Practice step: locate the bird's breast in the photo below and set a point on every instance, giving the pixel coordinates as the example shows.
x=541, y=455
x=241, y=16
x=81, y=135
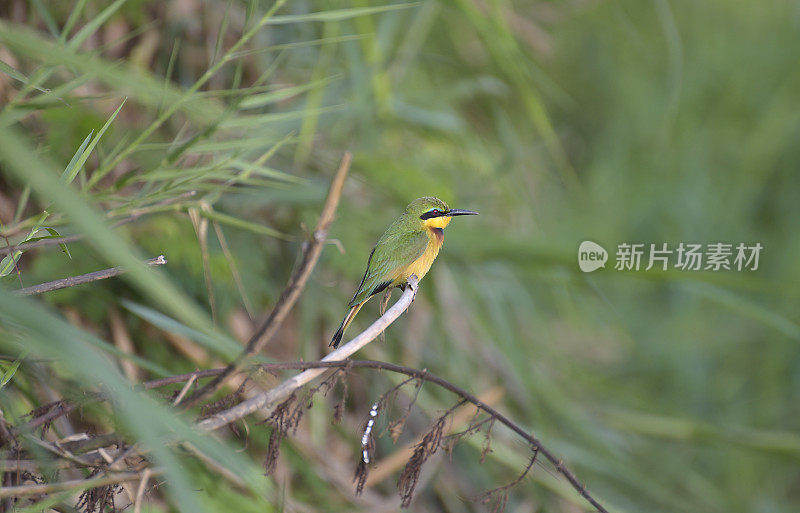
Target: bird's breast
x=422, y=265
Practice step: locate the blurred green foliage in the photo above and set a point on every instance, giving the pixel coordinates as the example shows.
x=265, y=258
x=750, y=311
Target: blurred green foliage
x=638, y=122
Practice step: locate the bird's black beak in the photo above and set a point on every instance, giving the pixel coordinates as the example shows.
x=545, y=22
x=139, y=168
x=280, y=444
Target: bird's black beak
x=460, y=212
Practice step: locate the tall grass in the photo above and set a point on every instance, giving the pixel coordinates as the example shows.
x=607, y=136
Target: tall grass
x=617, y=122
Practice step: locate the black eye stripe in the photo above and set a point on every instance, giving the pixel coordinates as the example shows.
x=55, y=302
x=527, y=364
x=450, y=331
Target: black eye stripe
x=431, y=213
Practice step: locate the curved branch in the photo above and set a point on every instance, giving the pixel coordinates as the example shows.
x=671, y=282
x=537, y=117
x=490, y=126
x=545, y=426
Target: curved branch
x=272, y=397
x=269, y=399
x=424, y=375
x=337, y=359
x=310, y=254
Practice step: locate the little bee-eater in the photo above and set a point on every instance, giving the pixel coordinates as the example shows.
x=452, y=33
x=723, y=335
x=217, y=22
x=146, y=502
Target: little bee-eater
x=409, y=246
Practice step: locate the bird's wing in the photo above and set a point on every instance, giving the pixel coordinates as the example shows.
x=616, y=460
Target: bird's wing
x=391, y=254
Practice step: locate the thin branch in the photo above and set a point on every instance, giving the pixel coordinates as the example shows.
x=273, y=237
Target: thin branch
x=83, y=278
x=140, y=492
x=237, y=278
x=59, y=409
x=337, y=359
x=272, y=397
x=431, y=378
x=311, y=251
x=77, y=484
x=184, y=391
x=200, y=225
x=180, y=378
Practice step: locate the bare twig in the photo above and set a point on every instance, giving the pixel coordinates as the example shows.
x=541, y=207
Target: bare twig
x=83, y=278
x=77, y=484
x=310, y=254
x=184, y=391
x=124, y=342
x=237, y=278
x=500, y=494
x=140, y=492
x=337, y=359
x=180, y=378
x=424, y=375
x=59, y=408
x=389, y=464
x=200, y=225
x=271, y=398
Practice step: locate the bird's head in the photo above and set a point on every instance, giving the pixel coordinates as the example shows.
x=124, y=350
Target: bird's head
x=433, y=212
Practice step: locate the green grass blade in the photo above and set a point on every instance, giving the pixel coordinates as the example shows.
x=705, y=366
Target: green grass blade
x=337, y=14
x=155, y=427
x=72, y=20
x=261, y=100
x=243, y=225
x=67, y=176
x=21, y=160
x=169, y=324
x=44, y=12
x=72, y=170
x=94, y=25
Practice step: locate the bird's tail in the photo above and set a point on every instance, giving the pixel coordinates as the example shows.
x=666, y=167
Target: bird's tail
x=337, y=337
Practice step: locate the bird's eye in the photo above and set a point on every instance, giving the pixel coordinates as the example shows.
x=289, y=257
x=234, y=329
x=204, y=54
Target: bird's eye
x=434, y=212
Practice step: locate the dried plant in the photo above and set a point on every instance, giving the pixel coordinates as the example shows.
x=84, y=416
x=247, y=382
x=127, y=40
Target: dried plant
x=395, y=427
x=45, y=409
x=283, y=420
x=499, y=496
x=427, y=447
x=219, y=405
x=99, y=499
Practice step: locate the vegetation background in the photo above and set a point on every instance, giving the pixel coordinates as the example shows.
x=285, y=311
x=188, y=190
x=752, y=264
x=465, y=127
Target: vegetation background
x=613, y=121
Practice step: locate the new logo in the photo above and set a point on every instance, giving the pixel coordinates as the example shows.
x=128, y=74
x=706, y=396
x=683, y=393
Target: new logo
x=591, y=256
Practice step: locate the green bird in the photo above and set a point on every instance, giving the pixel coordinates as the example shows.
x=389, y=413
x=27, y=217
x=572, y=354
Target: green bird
x=409, y=246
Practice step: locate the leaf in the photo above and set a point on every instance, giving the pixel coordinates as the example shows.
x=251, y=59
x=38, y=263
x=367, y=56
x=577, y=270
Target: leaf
x=8, y=263
x=68, y=175
x=75, y=165
x=13, y=73
x=55, y=235
x=9, y=373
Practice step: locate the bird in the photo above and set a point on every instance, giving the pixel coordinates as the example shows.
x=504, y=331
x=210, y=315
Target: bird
x=408, y=246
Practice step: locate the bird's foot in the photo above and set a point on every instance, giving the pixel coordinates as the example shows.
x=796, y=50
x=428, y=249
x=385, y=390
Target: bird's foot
x=387, y=295
x=413, y=282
